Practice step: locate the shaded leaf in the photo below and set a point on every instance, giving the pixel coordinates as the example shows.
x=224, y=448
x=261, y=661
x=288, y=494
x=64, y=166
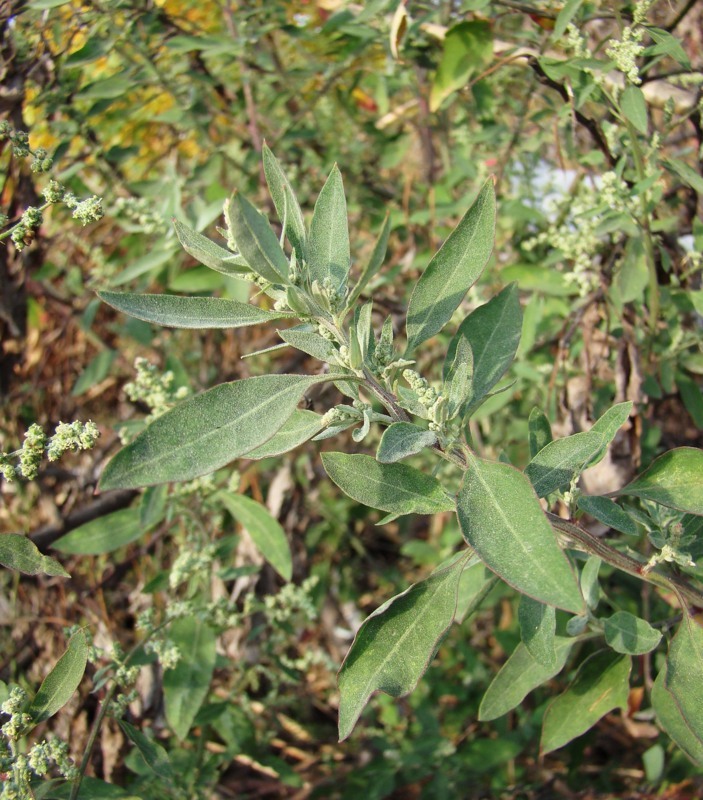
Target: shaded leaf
x=328, y=242
x=104, y=534
x=298, y=428
x=674, y=723
x=19, y=552
x=559, y=462
x=684, y=673
x=467, y=48
x=609, y=513
x=154, y=754
x=403, y=439
x=626, y=633
x=538, y=624
x=63, y=680
x=540, y=431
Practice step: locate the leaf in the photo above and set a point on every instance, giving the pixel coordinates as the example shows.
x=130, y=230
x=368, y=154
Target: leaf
x=520, y=674
x=96, y=371
x=692, y=397
x=396, y=644
x=208, y=431
x=19, y=552
x=673, y=479
x=567, y=13
x=609, y=513
x=152, y=506
x=626, y=633
x=256, y=241
x=298, y=428
x=590, y=588
x=154, y=754
x=63, y=680
x=468, y=47
x=674, y=723
x=285, y=201
x=403, y=439
x=540, y=431
x=265, y=531
x=208, y=253
x=684, y=673
x=686, y=173
x=328, y=243
x=601, y=684
x=104, y=534
x=559, y=462
x=187, y=684
x=501, y=518
x=375, y=262
x=310, y=342
x=493, y=331
x=189, y=312
x=459, y=378
x=538, y=624
x=634, y=108
x=669, y=45
x=91, y=789
x=453, y=270
x=394, y=488
x=608, y=425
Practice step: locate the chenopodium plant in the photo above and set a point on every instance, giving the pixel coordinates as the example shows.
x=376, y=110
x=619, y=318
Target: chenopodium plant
x=553, y=563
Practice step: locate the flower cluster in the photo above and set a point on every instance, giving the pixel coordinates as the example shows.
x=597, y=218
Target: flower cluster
x=153, y=388
x=192, y=561
x=139, y=211
x=625, y=52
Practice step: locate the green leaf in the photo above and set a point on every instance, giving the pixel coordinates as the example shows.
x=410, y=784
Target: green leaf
x=674, y=723
x=669, y=45
x=374, y=264
x=187, y=684
x=540, y=431
x=266, y=532
x=394, y=488
x=91, y=789
x=104, y=534
x=601, y=684
x=501, y=518
x=403, y=439
x=19, y=552
x=285, y=201
x=673, y=479
x=152, y=506
x=609, y=513
x=538, y=624
x=328, y=243
x=634, y=108
x=63, y=680
x=468, y=47
x=692, y=397
x=686, y=173
x=396, y=643
x=493, y=331
x=559, y=462
x=459, y=378
x=96, y=371
x=626, y=633
x=453, y=270
x=520, y=674
x=310, y=342
x=189, y=312
x=364, y=331
x=208, y=253
x=208, y=431
x=567, y=13
x=608, y=425
x=154, y=754
x=684, y=673
x=298, y=428
x=590, y=588
x=256, y=241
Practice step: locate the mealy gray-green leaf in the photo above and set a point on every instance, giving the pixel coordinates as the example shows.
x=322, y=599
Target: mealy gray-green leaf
x=298, y=428
x=256, y=240
x=310, y=342
x=556, y=464
x=538, y=626
x=104, y=534
x=458, y=380
x=395, y=488
x=453, y=270
x=493, y=331
x=19, y=552
x=189, y=312
x=590, y=587
x=364, y=330
x=609, y=513
x=626, y=633
x=396, y=643
x=501, y=518
x=208, y=253
x=602, y=683
x=374, y=263
x=608, y=425
x=186, y=685
x=285, y=201
x=265, y=531
x=154, y=754
x=63, y=680
x=540, y=431
x=674, y=723
x=673, y=479
x=403, y=439
x=684, y=673
x=328, y=241
x=208, y=431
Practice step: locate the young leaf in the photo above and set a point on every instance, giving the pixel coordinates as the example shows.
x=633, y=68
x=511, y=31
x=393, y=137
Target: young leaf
x=540, y=431
x=395, y=488
x=608, y=425
x=104, y=534
x=256, y=241
x=626, y=633
x=396, y=643
x=285, y=201
x=19, y=552
x=300, y=426
x=189, y=312
x=186, y=685
x=266, y=532
x=154, y=754
x=403, y=439
x=375, y=262
x=674, y=723
x=538, y=625
x=684, y=673
x=459, y=378
x=501, y=518
x=208, y=253
x=364, y=331
x=310, y=342
x=673, y=479
x=60, y=684
x=208, y=431
x=453, y=270
x=634, y=108
x=590, y=588
x=609, y=513
x=556, y=464
x=328, y=243
x=601, y=684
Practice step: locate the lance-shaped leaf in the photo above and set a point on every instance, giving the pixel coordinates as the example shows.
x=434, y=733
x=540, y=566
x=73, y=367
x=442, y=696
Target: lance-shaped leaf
x=626, y=633
x=538, y=624
x=673, y=479
x=310, y=342
x=396, y=643
x=60, y=684
x=256, y=241
x=395, y=488
x=609, y=513
x=374, y=263
x=208, y=253
x=501, y=518
x=266, y=532
x=493, y=332
x=559, y=462
x=403, y=439
x=608, y=425
x=104, y=534
x=459, y=378
x=153, y=753
x=208, y=431
x=602, y=683
x=189, y=312
x=453, y=270
x=684, y=673
x=540, y=431
x=286, y=203
x=19, y=552
x=328, y=242
x=301, y=426
x=674, y=723
x=186, y=685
